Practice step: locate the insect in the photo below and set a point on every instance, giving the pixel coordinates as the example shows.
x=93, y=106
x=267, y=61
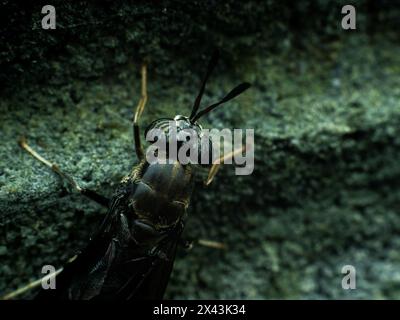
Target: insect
x=132, y=253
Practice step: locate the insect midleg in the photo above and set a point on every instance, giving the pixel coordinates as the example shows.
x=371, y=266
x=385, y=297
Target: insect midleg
x=138, y=113
x=86, y=192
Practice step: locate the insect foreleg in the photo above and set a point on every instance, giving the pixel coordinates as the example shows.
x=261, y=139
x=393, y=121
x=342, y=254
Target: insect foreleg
x=215, y=166
x=86, y=192
x=138, y=113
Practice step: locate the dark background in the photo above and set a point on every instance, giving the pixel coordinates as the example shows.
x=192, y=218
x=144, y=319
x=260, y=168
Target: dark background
x=324, y=104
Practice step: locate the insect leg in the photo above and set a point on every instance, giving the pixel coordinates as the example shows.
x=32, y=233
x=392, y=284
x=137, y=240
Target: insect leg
x=86, y=192
x=212, y=244
x=189, y=244
x=215, y=166
x=138, y=113
x=29, y=286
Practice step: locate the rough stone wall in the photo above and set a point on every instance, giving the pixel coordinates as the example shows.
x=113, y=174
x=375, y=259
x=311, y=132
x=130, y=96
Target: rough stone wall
x=324, y=103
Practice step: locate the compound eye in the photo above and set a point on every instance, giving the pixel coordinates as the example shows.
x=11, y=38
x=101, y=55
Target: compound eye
x=179, y=117
x=182, y=122
x=162, y=124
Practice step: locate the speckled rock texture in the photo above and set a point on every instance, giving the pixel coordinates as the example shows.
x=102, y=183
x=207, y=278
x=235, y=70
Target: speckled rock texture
x=325, y=106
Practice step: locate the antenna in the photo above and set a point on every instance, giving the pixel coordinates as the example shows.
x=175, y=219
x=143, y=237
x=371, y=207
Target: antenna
x=234, y=92
x=210, y=68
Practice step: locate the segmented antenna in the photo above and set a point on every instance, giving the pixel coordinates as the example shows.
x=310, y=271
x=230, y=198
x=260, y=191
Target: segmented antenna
x=211, y=66
x=235, y=92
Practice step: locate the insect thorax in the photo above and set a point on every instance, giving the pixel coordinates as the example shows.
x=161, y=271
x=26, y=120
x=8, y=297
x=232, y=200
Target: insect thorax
x=160, y=193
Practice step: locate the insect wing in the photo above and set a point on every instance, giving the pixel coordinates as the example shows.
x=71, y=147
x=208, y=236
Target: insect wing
x=110, y=270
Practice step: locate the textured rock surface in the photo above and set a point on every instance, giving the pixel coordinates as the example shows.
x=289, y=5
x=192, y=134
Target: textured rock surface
x=325, y=106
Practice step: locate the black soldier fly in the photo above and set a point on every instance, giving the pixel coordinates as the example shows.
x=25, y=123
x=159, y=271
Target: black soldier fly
x=132, y=254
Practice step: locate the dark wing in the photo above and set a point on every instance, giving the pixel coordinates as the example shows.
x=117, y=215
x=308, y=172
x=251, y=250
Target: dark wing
x=72, y=282
x=147, y=276
x=112, y=267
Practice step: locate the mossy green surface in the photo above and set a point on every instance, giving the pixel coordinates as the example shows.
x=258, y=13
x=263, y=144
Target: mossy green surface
x=325, y=191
